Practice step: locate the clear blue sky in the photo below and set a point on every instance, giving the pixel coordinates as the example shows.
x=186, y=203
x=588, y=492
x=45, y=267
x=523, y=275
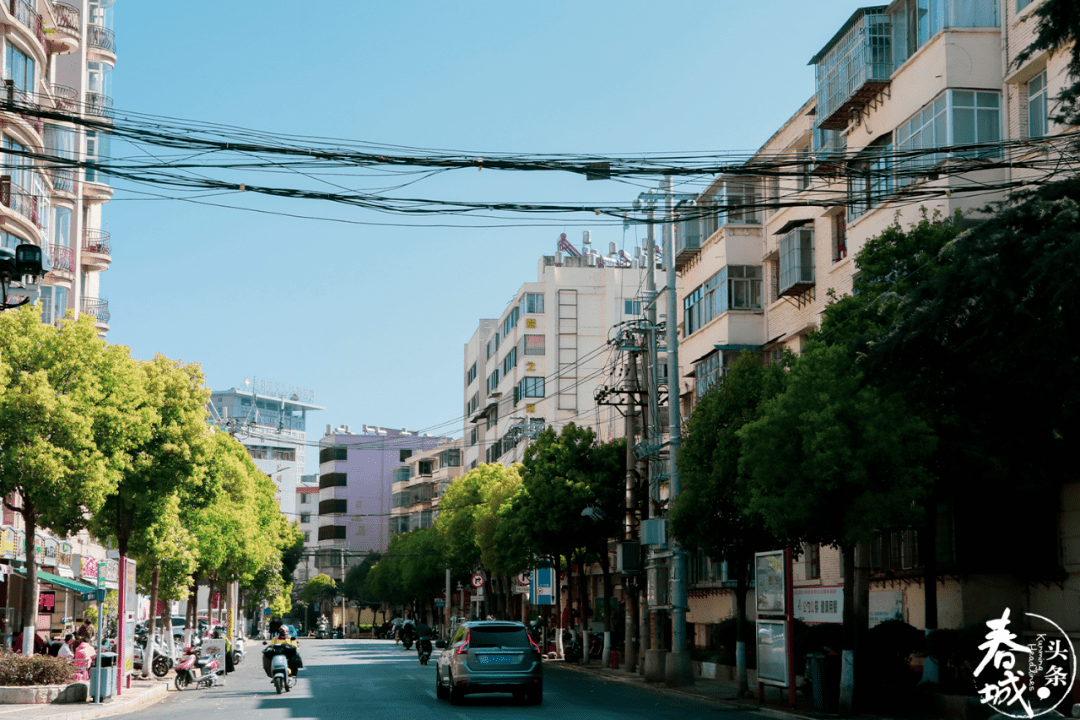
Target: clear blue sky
x=369, y=314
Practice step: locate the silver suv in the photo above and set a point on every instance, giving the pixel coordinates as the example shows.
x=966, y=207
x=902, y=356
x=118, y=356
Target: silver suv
x=490, y=656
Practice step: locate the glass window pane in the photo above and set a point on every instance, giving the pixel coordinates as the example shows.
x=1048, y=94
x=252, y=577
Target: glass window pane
x=988, y=99
x=989, y=127
x=963, y=126
x=963, y=98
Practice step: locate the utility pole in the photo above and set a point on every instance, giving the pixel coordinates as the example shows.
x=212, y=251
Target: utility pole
x=677, y=671
x=631, y=590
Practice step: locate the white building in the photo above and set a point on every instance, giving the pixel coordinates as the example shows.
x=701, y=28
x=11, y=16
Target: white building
x=543, y=360
x=272, y=426
x=57, y=59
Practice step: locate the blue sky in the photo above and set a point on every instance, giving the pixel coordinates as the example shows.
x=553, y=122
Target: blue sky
x=368, y=310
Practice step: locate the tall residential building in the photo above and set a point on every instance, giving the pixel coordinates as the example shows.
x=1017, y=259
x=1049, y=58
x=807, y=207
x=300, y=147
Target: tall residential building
x=542, y=361
x=419, y=483
x=57, y=59
x=307, y=514
x=355, y=491
x=271, y=423
x=894, y=83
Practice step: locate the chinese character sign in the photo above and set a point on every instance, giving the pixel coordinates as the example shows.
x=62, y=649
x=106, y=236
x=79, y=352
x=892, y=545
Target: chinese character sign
x=1024, y=680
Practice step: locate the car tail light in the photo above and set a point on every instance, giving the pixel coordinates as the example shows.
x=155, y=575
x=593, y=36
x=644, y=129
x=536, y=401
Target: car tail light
x=464, y=646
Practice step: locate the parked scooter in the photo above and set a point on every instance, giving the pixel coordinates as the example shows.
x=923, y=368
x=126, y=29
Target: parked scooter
x=572, y=650
x=162, y=662
x=238, y=649
x=193, y=669
x=277, y=660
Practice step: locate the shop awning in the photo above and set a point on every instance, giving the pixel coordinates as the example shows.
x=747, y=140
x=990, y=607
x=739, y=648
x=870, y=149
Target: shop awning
x=64, y=582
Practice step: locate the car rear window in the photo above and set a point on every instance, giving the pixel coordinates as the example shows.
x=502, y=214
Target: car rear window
x=501, y=637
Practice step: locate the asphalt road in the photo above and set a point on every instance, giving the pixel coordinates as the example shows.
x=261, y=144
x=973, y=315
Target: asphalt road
x=382, y=681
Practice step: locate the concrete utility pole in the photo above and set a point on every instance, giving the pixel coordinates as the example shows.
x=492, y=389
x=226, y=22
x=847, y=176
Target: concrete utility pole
x=631, y=591
x=677, y=671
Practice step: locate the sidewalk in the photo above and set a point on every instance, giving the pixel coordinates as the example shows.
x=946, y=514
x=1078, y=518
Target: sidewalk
x=720, y=691
x=141, y=694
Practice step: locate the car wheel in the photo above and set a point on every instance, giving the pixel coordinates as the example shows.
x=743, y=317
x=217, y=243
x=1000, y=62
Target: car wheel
x=536, y=695
x=440, y=692
x=456, y=696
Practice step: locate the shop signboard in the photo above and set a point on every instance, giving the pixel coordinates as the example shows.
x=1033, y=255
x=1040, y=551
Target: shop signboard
x=63, y=557
x=51, y=547
x=819, y=604
x=20, y=545
x=7, y=542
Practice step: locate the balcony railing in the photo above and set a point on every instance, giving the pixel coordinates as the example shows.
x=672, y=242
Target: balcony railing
x=62, y=257
x=854, y=67
x=101, y=37
x=22, y=202
x=96, y=308
x=66, y=98
x=98, y=104
x=24, y=12
x=67, y=18
x=97, y=241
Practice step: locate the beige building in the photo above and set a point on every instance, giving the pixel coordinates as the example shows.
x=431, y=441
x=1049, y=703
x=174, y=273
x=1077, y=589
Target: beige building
x=543, y=360
x=895, y=81
x=419, y=483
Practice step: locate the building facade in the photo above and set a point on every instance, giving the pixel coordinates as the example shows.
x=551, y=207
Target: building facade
x=897, y=83
x=356, y=493
x=418, y=485
x=57, y=58
x=272, y=425
x=542, y=362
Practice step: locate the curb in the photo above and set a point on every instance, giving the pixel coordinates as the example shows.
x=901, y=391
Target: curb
x=152, y=694
x=748, y=705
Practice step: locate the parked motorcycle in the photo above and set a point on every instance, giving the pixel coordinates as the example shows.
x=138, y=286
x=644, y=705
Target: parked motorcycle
x=160, y=665
x=596, y=645
x=572, y=650
x=195, y=670
x=238, y=649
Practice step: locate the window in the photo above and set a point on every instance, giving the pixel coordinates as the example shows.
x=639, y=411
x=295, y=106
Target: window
x=510, y=322
x=305, y=499
x=305, y=517
x=802, y=181
x=493, y=345
x=976, y=119
x=692, y=311
x=928, y=128
x=1021, y=4
x=631, y=307
x=534, y=345
x=533, y=303
x=474, y=404
x=743, y=291
x=472, y=437
x=510, y=361
x=471, y=375
x=871, y=178
x=1036, y=97
x=307, y=537
x=916, y=22
x=493, y=381
x=812, y=560
x=531, y=387
x=404, y=455
x=796, y=260
x=839, y=237
x=361, y=530
x=706, y=373
x=741, y=200
x=425, y=467
x=20, y=69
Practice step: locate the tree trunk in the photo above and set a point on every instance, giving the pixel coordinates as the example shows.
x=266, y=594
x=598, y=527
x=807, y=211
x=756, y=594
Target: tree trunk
x=148, y=654
x=29, y=593
x=857, y=617
x=609, y=590
x=741, y=563
x=583, y=609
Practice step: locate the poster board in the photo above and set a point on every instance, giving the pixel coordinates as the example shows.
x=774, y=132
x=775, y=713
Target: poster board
x=769, y=590
x=771, y=644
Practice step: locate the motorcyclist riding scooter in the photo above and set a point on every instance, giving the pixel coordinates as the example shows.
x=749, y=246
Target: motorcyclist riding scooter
x=423, y=642
x=284, y=646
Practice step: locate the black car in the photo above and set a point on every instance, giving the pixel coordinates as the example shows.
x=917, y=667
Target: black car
x=490, y=656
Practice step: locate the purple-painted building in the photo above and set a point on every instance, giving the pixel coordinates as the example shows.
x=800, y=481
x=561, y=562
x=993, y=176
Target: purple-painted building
x=355, y=493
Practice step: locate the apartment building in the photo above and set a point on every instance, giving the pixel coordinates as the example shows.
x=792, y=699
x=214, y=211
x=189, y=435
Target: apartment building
x=307, y=515
x=271, y=423
x=419, y=484
x=356, y=491
x=541, y=362
x=57, y=59
x=893, y=83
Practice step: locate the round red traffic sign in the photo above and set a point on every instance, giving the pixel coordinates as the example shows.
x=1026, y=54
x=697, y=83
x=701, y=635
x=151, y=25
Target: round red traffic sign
x=478, y=580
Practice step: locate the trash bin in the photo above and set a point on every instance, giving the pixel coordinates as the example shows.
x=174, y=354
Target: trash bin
x=107, y=684
x=825, y=679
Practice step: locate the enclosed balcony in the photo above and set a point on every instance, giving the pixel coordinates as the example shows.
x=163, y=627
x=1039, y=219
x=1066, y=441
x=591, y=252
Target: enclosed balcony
x=13, y=197
x=854, y=67
x=96, y=249
x=334, y=506
x=65, y=34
